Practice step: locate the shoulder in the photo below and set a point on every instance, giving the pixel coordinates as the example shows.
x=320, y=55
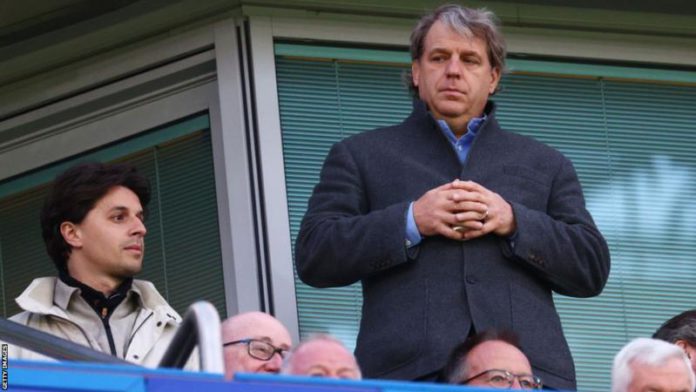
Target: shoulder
x=38, y=296
x=153, y=300
x=22, y=317
x=517, y=143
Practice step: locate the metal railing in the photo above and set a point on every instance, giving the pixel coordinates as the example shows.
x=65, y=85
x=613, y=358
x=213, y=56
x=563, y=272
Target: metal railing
x=52, y=346
x=201, y=325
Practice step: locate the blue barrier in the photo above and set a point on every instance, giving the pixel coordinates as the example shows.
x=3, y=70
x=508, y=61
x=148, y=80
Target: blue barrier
x=42, y=376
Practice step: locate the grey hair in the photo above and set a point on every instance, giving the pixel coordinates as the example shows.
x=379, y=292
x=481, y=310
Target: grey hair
x=468, y=22
x=645, y=351
x=679, y=327
x=287, y=361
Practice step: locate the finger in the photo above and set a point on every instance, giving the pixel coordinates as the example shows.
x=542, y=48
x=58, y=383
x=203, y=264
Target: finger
x=471, y=206
x=452, y=232
x=458, y=196
x=468, y=226
x=471, y=234
x=467, y=185
x=470, y=216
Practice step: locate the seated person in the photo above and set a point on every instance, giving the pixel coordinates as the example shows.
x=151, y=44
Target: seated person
x=254, y=342
x=93, y=226
x=490, y=359
x=681, y=330
x=651, y=365
x=322, y=356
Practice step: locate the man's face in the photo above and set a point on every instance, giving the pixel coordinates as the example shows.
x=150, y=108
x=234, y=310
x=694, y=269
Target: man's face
x=108, y=245
x=496, y=354
x=673, y=376
x=257, y=327
x=454, y=76
x=324, y=358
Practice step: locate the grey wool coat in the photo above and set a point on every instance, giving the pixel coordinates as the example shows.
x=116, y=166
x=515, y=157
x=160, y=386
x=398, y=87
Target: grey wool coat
x=418, y=303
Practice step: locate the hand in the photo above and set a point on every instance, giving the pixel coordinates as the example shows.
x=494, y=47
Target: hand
x=497, y=217
x=438, y=211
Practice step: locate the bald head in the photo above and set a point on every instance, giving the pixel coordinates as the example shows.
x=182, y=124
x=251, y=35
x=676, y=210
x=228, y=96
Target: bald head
x=322, y=356
x=491, y=358
x=258, y=336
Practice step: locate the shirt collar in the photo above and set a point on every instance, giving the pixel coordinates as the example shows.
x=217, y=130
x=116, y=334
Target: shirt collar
x=472, y=128
x=96, y=299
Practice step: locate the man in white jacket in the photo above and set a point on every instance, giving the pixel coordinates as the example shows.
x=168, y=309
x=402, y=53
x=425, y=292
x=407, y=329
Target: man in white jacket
x=93, y=227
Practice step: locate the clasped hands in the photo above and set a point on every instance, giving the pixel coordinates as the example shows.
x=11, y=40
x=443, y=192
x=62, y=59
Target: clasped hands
x=463, y=210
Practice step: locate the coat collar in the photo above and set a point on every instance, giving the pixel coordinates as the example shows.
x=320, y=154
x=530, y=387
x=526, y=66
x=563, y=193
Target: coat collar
x=51, y=296
x=420, y=115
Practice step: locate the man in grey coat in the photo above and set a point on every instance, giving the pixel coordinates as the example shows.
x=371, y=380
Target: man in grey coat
x=452, y=224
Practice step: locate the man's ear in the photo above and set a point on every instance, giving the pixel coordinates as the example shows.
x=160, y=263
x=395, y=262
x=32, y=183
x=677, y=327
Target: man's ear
x=495, y=79
x=71, y=234
x=415, y=72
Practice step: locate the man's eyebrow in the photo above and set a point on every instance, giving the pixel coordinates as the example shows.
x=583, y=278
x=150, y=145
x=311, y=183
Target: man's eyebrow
x=125, y=209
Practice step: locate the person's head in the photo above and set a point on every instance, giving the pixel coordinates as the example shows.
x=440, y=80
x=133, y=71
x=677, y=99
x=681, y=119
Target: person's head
x=646, y=365
x=254, y=342
x=322, y=356
x=92, y=222
x=681, y=330
x=490, y=359
x=458, y=57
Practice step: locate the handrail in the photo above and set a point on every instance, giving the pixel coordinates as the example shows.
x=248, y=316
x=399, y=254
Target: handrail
x=201, y=325
x=52, y=346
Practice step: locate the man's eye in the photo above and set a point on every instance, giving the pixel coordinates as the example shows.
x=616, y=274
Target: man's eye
x=316, y=374
x=265, y=350
x=118, y=218
x=498, y=379
x=438, y=59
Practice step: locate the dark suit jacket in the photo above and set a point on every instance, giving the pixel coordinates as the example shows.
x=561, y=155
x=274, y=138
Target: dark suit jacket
x=419, y=303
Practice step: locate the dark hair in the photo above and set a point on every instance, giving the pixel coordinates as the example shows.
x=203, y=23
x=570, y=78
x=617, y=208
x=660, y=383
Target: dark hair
x=679, y=327
x=468, y=22
x=74, y=194
x=455, y=368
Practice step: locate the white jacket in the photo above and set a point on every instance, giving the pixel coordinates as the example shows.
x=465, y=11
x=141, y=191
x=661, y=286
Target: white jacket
x=142, y=325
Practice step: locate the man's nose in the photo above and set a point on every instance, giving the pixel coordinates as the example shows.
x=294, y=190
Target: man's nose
x=274, y=363
x=454, y=67
x=516, y=384
x=139, y=227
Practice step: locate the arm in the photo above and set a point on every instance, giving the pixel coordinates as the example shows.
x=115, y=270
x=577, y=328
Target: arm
x=341, y=239
x=562, y=245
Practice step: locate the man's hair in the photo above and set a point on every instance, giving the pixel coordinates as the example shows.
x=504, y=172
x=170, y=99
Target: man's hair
x=287, y=361
x=455, y=371
x=468, y=22
x=74, y=194
x=645, y=351
x=679, y=327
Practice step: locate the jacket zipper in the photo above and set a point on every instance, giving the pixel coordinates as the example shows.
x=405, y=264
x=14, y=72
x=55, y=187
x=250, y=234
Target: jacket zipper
x=107, y=327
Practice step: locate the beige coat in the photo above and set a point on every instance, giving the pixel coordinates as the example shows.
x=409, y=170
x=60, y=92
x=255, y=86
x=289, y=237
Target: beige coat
x=142, y=325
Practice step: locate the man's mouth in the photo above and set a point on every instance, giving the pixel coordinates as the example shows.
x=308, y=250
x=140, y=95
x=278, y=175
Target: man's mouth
x=135, y=248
